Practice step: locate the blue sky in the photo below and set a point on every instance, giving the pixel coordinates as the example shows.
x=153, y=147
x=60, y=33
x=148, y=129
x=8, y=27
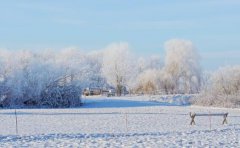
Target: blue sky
x=212, y=25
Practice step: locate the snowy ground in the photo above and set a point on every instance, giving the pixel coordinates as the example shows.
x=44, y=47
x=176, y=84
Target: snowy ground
x=119, y=122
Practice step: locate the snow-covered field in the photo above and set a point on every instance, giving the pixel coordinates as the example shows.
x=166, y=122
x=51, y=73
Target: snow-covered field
x=119, y=122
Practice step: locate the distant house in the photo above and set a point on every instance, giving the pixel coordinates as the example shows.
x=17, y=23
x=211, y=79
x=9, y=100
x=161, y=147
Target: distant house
x=99, y=91
x=92, y=91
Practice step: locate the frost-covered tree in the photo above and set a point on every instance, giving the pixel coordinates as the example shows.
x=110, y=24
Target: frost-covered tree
x=26, y=76
x=222, y=89
x=95, y=78
x=118, y=67
x=85, y=67
x=182, y=66
x=226, y=80
x=165, y=82
x=147, y=82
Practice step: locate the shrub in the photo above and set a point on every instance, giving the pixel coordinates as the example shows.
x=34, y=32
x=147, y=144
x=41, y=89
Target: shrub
x=223, y=88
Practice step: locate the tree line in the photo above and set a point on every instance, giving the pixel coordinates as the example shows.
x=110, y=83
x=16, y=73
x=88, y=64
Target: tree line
x=56, y=78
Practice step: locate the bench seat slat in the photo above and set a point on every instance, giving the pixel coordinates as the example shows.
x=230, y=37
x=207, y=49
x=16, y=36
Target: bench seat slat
x=214, y=114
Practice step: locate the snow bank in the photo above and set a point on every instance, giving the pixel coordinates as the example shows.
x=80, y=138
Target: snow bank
x=173, y=99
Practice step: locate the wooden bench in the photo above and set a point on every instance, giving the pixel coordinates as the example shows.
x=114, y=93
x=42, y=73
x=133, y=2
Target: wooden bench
x=193, y=115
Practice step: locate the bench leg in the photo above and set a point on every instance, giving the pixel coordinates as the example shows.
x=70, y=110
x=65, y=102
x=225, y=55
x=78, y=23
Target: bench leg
x=192, y=122
x=225, y=119
x=192, y=117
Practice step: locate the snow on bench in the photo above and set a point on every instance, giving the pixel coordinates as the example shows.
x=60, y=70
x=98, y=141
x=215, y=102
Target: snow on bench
x=193, y=115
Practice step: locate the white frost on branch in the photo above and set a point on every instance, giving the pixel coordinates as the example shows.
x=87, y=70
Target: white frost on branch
x=119, y=66
x=182, y=64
